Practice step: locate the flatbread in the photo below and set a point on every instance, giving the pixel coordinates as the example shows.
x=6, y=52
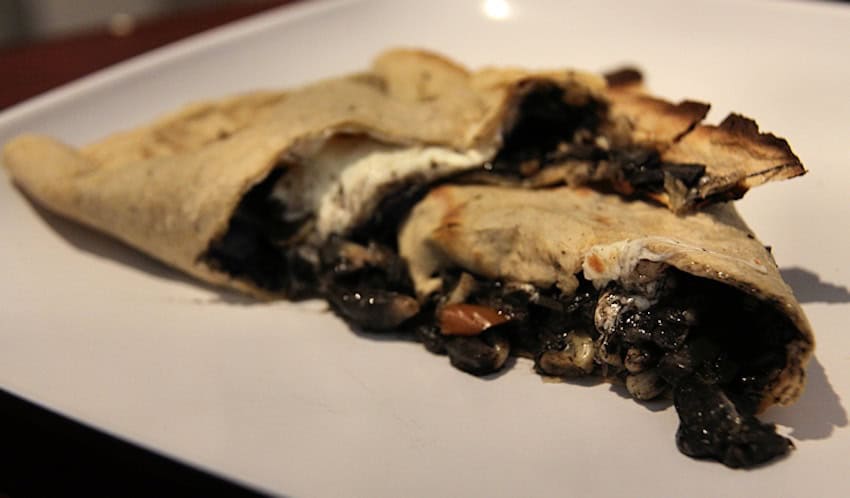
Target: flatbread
x=171, y=188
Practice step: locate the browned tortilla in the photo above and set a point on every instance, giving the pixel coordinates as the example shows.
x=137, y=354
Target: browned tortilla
x=736, y=154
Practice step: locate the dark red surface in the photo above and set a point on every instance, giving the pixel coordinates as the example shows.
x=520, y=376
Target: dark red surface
x=29, y=69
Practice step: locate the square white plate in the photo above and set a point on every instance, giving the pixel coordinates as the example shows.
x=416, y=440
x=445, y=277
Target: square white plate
x=286, y=398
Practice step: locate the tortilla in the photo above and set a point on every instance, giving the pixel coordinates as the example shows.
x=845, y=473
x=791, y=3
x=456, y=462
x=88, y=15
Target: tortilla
x=172, y=188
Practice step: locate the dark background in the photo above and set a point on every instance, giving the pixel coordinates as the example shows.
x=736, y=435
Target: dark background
x=45, y=43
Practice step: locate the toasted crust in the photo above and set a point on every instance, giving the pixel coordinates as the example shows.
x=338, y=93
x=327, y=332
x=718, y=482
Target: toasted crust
x=624, y=79
x=737, y=156
x=740, y=155
x=653, y=121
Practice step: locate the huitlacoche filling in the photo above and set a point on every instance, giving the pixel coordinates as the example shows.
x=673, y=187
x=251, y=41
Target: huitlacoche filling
x=550, y=142
x=712, y=348
x=554, y=143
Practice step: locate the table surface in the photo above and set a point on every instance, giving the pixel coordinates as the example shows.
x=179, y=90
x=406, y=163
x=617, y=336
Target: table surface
x=31, y=68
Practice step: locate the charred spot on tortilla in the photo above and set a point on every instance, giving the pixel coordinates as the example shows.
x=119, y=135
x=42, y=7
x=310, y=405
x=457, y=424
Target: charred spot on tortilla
x=624, y=77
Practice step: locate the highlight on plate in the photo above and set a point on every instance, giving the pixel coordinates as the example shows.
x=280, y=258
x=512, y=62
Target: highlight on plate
x=563, y=216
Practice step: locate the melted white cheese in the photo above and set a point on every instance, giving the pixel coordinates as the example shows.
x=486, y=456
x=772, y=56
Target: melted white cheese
x=343, y=182
x=618, y=260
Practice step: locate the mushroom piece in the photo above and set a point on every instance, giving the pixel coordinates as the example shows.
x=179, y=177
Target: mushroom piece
x=608, y=354
x=639, y=359
x=479, y=355
x=573, y=359
x=646, y=385
x=373, y=308
x=430, y=337
x=713, y=426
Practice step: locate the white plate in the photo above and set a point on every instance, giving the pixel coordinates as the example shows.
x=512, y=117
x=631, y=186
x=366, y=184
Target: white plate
x=286, y=398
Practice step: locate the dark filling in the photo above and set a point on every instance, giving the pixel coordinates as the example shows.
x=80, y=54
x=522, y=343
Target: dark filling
x=276, y=256
x=545, y=121
x=550, y=131
x=644, y=171
x=250, y=248
x=259, y=247
x=714, y=348
x=713, y=426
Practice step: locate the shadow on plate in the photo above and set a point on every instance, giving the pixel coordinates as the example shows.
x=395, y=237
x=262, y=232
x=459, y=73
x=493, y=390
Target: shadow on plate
x=817, y=413
x=656, y=405
x=809, y=288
